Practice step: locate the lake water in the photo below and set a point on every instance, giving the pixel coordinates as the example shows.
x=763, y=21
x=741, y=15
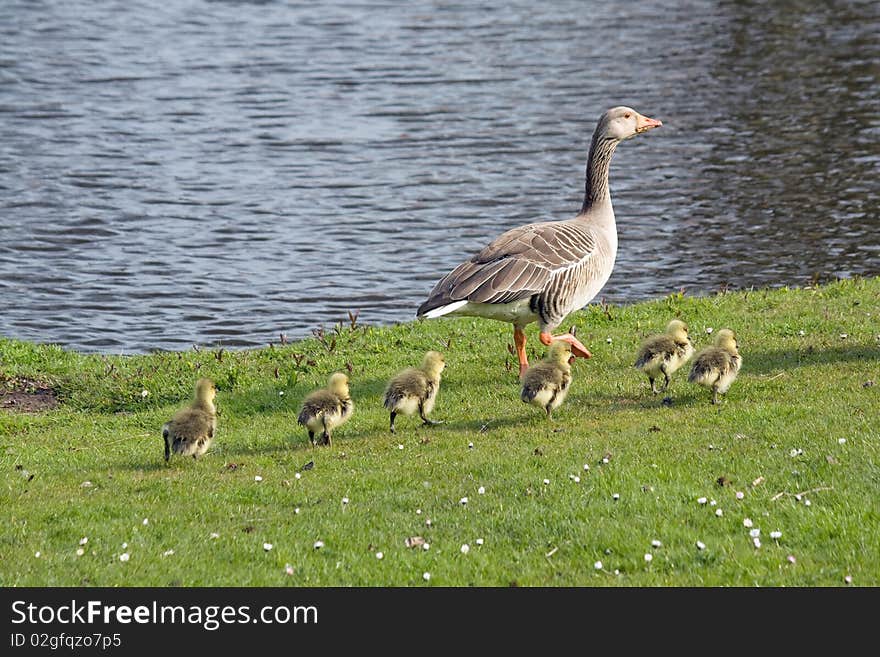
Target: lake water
x=193, y=172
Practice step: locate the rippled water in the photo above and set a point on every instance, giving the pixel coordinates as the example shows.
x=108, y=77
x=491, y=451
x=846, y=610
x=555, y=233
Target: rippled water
x=194, y=172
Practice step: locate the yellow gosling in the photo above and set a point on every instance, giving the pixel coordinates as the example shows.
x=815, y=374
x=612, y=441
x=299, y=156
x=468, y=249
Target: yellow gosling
x=414, y=390
x=716, y=367
x=327, y=408
x=545, y=384
x=191, y=431
x=665, y=353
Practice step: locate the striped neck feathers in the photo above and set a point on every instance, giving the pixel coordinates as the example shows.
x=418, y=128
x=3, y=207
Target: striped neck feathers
x=598, y=163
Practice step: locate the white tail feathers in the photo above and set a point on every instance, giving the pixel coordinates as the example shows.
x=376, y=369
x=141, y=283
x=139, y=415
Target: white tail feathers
x=445, y=310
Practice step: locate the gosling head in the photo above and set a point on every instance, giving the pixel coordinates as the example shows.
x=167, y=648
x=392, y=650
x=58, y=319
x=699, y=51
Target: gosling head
x=560, y=352
x=433, y=363
x=205, y=391
x=339, y=384
x=623, y=123
x=677, y=330
x=726, y=339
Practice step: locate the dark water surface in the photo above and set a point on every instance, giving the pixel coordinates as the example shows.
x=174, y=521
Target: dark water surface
x=192, y=172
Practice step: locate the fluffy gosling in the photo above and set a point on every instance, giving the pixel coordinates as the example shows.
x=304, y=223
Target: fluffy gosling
x=415, y=389
x=545, y=384
x=327, y=408
x=716, y=367
x=191, y=430
x=665, y=353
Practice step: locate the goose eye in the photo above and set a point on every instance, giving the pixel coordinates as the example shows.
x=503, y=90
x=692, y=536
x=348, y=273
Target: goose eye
x=627, y=115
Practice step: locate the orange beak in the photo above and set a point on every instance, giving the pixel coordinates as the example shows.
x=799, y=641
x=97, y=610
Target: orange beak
x=643, y=124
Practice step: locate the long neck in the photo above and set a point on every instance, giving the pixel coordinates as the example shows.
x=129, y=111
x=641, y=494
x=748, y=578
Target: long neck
x=598, y=163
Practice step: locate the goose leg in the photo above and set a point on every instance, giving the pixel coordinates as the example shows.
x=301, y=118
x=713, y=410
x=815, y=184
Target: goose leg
x=666, y=376
x=393, y=415
x=425, y=419
x=519, y=339
x=577, y=348
x=653, y=387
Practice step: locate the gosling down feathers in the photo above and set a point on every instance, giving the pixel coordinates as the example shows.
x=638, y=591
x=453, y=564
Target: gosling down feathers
x=327, y=408
x=716, y=367
x=545, y=384
x=544, y=271
x=414, y=390
x=191, y=430
x=665, y=353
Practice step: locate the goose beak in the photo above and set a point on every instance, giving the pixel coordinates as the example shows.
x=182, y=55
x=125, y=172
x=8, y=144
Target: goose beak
x=643, y=124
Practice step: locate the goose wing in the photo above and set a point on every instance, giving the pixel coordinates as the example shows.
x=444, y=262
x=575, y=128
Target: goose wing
x=516, y=265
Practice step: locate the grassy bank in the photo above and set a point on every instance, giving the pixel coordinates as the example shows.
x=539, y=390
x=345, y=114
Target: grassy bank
x=92, y=468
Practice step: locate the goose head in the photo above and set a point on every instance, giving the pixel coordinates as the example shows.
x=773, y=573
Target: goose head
x=560, y=352
x=433, y=363
x=339, y=384
x=677, y=330
x=205, y=391
x=622, y=122
x=726, y=339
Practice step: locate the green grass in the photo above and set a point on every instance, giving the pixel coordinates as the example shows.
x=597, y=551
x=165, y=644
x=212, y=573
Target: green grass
x=795, y=392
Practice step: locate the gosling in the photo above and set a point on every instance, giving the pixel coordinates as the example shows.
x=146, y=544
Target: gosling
x=665, y=353
x=546, y=383
x=190, y=431
x=415, y=389
x=327, y=408
x=716, y=367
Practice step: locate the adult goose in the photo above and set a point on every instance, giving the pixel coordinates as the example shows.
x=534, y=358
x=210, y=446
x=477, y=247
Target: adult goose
x=543, y=271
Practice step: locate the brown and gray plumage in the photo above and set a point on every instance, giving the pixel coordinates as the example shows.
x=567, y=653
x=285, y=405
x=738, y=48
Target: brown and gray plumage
x=414, y=390
x=716, y=367
x=327, y=408
x=191, y=431
x=545, y=384
x=665, y=353
x=544, y=271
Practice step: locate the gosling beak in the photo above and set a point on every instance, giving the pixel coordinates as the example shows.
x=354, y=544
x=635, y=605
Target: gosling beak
x=643, y=124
